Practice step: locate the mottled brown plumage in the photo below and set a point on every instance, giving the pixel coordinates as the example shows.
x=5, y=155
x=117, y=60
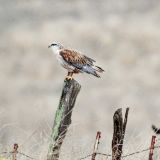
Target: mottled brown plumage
x=75, y=62
x=75, y=57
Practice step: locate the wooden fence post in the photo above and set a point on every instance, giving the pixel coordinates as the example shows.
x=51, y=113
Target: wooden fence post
x=15, y=151
x=152, y=147
x=118, y=134
x=63, y=115
x=98, y=136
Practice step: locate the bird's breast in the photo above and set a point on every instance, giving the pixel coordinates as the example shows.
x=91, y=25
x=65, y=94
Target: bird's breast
x=59, y=58
x=64, y=63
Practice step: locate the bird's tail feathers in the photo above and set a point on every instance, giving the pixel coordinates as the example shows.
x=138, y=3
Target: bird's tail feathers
x=95, y=74
x=98, y=69
x=90, y=70
x=155, y=129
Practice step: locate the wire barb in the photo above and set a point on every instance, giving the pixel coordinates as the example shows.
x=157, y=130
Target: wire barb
x=127, y=155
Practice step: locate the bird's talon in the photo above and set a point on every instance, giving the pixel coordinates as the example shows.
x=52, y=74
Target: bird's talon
x=69, y=78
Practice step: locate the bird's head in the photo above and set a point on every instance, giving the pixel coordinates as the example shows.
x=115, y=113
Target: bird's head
x=55, y=46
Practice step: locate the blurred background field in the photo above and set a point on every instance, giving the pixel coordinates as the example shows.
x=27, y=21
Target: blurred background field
x=122, y=36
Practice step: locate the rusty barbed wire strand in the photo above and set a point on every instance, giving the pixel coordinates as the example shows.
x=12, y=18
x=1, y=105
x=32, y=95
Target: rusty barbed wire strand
x=21, y=153
x=85, y=157
x=141, y=151
x=4, y=153
x=89, y=155
x=127, y=155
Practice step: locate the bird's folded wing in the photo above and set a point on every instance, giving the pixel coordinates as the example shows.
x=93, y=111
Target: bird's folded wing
x=76, y=59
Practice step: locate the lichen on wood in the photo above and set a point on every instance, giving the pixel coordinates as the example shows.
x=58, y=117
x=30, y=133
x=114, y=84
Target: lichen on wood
x=63, y=115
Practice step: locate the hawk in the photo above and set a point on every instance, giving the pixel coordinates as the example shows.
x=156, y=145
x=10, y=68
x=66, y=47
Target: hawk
x=75, y=62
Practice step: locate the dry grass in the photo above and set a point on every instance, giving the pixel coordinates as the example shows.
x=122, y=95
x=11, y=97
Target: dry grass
x=122, y=36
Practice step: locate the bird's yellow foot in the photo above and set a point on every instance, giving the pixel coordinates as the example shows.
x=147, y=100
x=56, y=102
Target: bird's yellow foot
x=69, y=78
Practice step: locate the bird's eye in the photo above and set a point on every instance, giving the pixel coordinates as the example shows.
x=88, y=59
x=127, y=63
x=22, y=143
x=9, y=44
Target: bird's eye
x=54, y=44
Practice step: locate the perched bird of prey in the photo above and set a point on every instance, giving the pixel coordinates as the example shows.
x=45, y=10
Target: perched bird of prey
x=155, y=129
x=75, y=62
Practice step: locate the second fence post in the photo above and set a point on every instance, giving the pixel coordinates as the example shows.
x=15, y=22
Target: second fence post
x=118, y=134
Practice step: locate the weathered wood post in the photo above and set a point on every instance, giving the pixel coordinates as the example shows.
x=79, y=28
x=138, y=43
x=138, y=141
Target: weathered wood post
x=97, y=141
x=15, y=151
x=118, y=134
x=63, y=115
x=153, y=140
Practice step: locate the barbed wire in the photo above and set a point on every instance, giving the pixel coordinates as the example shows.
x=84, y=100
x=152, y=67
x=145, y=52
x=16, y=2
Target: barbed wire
x=127, y=155
x=85, y=157
x=89, y=155
x=21, y=153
